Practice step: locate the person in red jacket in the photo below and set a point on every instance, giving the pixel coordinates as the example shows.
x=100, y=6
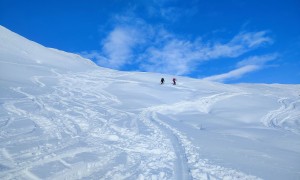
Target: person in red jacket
x=174, y=81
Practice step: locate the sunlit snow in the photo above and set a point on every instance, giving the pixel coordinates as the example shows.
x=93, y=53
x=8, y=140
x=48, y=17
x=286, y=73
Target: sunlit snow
x=63, y=117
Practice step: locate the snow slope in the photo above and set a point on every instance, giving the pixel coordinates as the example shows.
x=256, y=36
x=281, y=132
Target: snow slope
x=62, y=117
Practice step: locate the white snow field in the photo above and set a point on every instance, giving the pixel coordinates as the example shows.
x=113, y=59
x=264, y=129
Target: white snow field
x=63, y=117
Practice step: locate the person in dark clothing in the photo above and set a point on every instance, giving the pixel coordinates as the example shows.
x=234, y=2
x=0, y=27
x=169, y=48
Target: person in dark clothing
x=162, y=80
x=174, y=81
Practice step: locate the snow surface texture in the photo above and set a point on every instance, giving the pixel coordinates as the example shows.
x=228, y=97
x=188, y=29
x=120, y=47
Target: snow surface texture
x=62, y=117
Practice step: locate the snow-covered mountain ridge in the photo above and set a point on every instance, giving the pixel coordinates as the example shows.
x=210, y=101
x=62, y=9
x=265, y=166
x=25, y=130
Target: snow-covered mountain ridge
x=63, y=117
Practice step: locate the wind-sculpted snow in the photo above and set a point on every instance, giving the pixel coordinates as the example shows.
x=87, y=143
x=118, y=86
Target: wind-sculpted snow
x=61, y=117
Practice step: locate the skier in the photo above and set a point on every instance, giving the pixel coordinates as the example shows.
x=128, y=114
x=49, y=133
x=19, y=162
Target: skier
x=174, y=81
x=162, y=80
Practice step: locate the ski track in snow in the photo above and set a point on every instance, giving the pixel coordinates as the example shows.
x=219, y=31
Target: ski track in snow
x=43, y=138
x=286, y=117
x=188, y=161
x=36, y=80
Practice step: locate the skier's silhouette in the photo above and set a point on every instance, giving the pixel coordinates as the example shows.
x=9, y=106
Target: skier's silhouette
x=174, y=81
x=162, y=80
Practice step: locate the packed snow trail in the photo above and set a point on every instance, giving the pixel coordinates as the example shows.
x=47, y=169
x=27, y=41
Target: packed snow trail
x=181, y=170
x=191, y=166
x=63, y=117
x=71, y=130
x=286, y=117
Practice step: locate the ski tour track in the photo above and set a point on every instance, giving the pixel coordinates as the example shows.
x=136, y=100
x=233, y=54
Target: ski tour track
x=74, y=130
x=285, y=116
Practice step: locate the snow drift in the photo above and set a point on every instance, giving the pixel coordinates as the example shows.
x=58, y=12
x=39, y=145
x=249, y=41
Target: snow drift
x=63, y=117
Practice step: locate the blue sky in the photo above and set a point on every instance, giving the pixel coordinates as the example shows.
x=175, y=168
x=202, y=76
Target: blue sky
x=232, y=41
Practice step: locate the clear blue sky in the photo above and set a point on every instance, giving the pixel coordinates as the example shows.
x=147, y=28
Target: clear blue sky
x=230, y=41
